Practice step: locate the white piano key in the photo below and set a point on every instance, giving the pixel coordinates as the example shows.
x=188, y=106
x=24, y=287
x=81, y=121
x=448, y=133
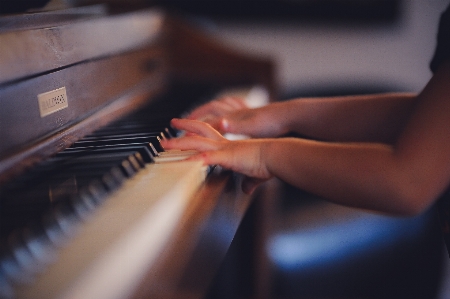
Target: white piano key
x=121, y=240
x=174, y=155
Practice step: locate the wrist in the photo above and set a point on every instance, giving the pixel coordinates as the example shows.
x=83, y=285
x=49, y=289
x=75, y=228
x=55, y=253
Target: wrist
x=286, y=116
x=267, y=154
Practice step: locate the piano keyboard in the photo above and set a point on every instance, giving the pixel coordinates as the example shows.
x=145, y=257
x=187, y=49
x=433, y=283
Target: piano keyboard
x=117, y=252
x=145, y=189
x=142, y=191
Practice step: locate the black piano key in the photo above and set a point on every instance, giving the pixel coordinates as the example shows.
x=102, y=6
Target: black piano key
x=18, y=265
x=128, y=168
x=25, y=259
x=59, y=171
x=67, y=218
x=117, y=135
x=84, y=204
x=117, y=139
x=50, y=190
x=10, y=268
x=170, y=132
x=52, y=230
x=89, y=198
x=129, y=130
x=146, y=150
x=136, y=162
x=39, y=244
x=63, y=221
x=112, y=179
x=32, y=194
x=94, y=164
x=65, y=179
x=98, y=191
x=60, y=224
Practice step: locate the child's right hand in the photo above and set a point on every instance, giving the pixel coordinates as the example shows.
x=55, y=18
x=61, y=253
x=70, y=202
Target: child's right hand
x=230, y=115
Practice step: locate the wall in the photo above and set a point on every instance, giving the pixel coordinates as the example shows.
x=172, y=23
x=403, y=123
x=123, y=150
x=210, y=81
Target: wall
x=311, y=55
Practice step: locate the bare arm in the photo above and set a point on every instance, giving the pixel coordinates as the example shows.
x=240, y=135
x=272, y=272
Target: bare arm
x=378, y=117
x=404, y=178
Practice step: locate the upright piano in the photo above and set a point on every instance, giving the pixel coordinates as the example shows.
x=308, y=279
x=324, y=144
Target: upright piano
x=91, y=205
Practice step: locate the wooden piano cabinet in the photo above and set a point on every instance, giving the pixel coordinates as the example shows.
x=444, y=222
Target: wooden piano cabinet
x=153, y=59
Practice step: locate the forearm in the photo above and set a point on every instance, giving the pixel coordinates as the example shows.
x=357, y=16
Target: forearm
x=404, y=177
x=378, y=118
x=362, y=175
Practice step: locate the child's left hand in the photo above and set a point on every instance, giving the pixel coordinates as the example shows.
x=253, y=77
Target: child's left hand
x=243, y=156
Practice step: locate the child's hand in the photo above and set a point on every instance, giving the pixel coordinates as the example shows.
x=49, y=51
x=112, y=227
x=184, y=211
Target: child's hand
x=231, y=115
x=217, y=108
x=244, y=156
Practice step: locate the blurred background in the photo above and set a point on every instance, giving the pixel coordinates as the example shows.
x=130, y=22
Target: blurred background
x=324, y=43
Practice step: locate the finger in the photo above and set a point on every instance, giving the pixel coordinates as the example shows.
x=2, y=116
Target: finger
x=196, y=142
x=215, y=157
x=196, y=127
x=214, y=108
x=213, y=121
x=219, y=108
x=201, y=111
x=235, y=102
x=220, y=155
